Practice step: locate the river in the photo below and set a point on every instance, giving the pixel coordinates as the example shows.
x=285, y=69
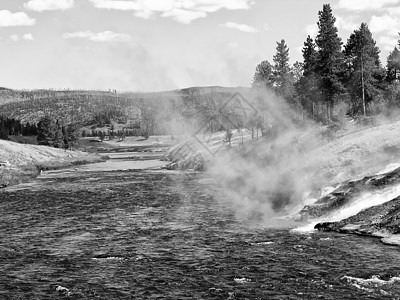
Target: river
x=98, y=232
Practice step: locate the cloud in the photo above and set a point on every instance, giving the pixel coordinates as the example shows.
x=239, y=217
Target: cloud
x=184, y=16
x=311, y=30
x=8, y=19
x=28, y=37
x=43, y=5
x=388, y=42
x=105, y=36
x=346, y=23
x=387, y=28
x=385, y=23
x=25, y=37
x=359, y=5
x=241, y=27
x=118, y=5
x=180, y=11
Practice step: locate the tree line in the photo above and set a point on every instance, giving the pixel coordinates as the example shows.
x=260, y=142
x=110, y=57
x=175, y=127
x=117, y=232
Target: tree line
x=11, y=126
x=331, y=72
x=51, y=133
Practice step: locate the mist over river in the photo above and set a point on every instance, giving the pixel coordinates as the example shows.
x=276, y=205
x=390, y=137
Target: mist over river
x=98, y=233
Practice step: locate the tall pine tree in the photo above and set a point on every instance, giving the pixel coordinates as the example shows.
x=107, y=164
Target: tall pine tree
x=47, y=130
x=329, y=65
x=365, y=74
x=282, y=76
x=307, y=86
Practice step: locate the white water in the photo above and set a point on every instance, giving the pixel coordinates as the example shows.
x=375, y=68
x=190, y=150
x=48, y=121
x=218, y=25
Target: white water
x=358, y=204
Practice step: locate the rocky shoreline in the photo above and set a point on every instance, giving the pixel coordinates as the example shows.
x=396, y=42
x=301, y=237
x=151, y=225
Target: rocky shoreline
x=381, y=220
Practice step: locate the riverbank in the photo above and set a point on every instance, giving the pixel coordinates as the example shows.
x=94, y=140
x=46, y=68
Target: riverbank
x=21, y=163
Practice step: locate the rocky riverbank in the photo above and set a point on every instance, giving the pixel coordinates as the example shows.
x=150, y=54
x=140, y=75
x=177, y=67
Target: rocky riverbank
x=373, y=201
x=378, y=221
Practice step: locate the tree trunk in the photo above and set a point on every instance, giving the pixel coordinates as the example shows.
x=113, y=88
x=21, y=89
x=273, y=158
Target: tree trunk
x=327, y=110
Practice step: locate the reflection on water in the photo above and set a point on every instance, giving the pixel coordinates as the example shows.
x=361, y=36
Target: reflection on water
x=159, y=235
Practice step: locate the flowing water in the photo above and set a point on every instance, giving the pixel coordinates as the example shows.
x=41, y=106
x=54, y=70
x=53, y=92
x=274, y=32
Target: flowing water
x=98, y=233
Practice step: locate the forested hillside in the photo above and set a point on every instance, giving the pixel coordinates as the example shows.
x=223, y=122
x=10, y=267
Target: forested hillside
x=170, y=112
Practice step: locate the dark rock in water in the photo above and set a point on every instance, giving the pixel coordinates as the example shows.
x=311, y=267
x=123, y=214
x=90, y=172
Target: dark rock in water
x=380, y=221
x=347, y=191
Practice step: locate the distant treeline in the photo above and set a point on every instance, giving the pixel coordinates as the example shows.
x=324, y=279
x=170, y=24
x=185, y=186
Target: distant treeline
x=11, y=126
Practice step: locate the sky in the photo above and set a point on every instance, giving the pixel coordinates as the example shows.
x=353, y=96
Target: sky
x=155, y=45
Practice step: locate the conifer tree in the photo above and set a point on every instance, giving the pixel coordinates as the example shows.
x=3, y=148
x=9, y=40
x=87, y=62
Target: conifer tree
x=282, y=76
x=329, y=66
x=3, y=130
x=364, y=68
x=307, y=86
x=47, y=129
x=393, y=65
x=263, y=75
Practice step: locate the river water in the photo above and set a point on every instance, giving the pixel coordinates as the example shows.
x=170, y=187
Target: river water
x=98, y=233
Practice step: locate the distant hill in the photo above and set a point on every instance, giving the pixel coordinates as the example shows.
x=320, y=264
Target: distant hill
x=167, y=112
x=82, y=106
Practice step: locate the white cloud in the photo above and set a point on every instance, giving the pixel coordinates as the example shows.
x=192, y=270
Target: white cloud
x=241, y=27
x=387, y=28
x=385, y=23
x=144, y=14
x=8, y=19
x=184, y=11
x=388, y=42
x=105, y=36
x=311, y=30
x=214, y=5
x=27, y=37
x=43, y=5
x=119, y=5
x=184, y=16
x=266, y=27
x=346, y=23
x=358, y=5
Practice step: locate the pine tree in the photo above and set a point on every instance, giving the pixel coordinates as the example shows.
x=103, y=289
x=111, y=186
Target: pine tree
x=47, y=129
x=329, y=65
x=3, y=130
x=263, y=75
x=393, y=65
x=307, y=86
x=282, y=76
x=364, y=68
x=58, y=136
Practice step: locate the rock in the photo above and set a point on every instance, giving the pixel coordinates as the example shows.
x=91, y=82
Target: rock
x=378, y=221
x=347, y=191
